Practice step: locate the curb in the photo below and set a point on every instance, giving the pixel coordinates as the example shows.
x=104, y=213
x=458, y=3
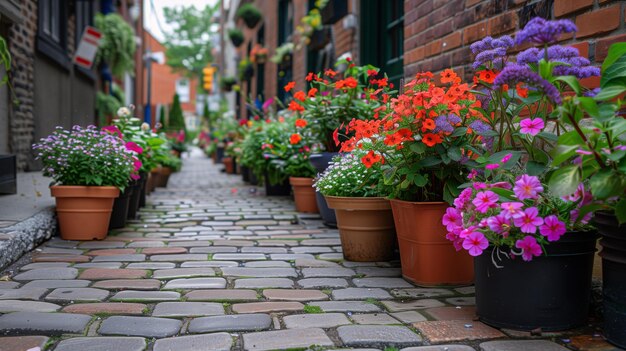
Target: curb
x=24, y=236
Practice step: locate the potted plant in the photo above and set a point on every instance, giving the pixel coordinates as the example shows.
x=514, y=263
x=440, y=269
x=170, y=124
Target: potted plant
x=236, y=36
x=117, y=46
x=227, y=83
x=168, y=164
x=357, y=194
x=258, y=54
x=245, y=70
x=250, y=14
x=89, y=168
x=594, y=153
x=529, y=218
x=283, y=55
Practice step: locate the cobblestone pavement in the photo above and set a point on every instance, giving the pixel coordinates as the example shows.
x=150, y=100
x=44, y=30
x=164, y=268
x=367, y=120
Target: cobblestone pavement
x=213, y=264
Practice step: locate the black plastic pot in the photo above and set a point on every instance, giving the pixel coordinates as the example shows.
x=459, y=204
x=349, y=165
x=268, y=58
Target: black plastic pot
x=254, y=180
x=245, y=174
x=120, y=209
x=281, y=189
x=551, y=292
x=320, y=162
x=613, y=276
x=143, y=189
x=219, y=153
x=133, y=204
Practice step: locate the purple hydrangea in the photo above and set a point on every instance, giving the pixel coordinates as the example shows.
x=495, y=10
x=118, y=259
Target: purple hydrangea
x=491, y=50
x=541, y=31
x=514, y=73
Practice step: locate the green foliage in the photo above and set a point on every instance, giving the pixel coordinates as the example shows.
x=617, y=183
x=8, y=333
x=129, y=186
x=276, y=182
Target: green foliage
x=177, y=120
x=226, y=83
x=162, y=116
x=106, y=105
x=117, y=47
x=250, y=14
x=189, y=43
x=5, y=61
x=313, y=309
x=236, y=36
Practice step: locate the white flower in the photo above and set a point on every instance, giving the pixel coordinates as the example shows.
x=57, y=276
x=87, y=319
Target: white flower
x=123, y=112
x=145, y=126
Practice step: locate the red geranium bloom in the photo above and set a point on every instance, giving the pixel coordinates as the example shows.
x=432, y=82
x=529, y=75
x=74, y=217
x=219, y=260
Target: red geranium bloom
x=487, y=76
x=329, y=72
x=311, y=76
x=299, y=95
x=370, y=159
x=372, y=72
x=294, y=106
x=349, y=82
x=431, y=139
x=301, y=123
x=312, y=92
x=521, y=91
x=295, y=138
x=289, y=86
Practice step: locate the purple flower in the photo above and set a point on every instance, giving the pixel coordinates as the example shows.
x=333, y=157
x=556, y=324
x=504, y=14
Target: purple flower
x=529, y=247
x=489, y=56
x=491, y=50
x=514, y=73
x=527, y=187
x=541, y=31
x=499, y=224
x=452, y=219
x=475, y=243
x=528, y=221
x=531, y=126
x=511, y=209
x=485, y=200
x=479, y=127
x=552, y=228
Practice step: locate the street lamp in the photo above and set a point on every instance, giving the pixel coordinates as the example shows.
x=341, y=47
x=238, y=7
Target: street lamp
x=149, y=57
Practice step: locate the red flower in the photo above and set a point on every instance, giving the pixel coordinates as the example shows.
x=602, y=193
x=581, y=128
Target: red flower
x=371, y=72
x=329, y=72
x=393, y=139
x=428, y=124
x=295, y=138
x=311, y=76
x=521, y=91
x=487, y=76
x=299, y=95
x=349, y=82
x=370, y=159
x=431, y=139
x=312, y=92
x=301, y=123
x=131, y=146
x=448, y=76
x=112, y=130
x=290, y=86
x=294, y=106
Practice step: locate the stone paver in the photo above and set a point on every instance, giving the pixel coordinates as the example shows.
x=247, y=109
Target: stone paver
x=22, y=293
x=440, y=348
x=133, y=295
x=187, y=309
x=360, y=294
x=521, y=345
x=48, y=273
x=221, y=295
x=196, y=283
x=53, y=284
x=346, y=306
x=17, y=343
x=103, y=274
x=133, y=284
x=183, y=272
x=231, y=323
x=208, y=342
x=381, y=336
x=257, y=307
x=259, y=272
x=28, y=323
x=77, y=294
x=294, y=295
x=286, y=339
x=7, y=306
x=455, y=330
x=259, y=283
x=107, y=307
x=323, y=283
x=140, y=326
x=374, y=318
x=101, y=343
x=321, y=320
x=395, y=306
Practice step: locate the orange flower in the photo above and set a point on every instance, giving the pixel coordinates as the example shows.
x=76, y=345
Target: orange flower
x=431, y=139
x=393, y=139
x=349, y=82
x=312, y=92
x=370, y=159
x=295, y=138
x=290, y=86
x=458, y=89
x=487, y=76
x=301, y=123
x=294, y=106
x=311, y=76
x=428, y=124
x=521, y=91
x=448, y=76
x=299, y=95
x=329, y=72
x=372, y=72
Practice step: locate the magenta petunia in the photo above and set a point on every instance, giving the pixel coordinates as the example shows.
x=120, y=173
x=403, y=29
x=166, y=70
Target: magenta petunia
x=131, y=146
x=475, y=243
x=485, y=200
x=552, y=228
x=512, y=209
x=452, y=218
x=529, y=247
x=499, y=224
x=527, y=187
x=531, y=126
x=463, y=198
x=113, y=130
x=492, y=166
x=528, y=221
x=506, y=158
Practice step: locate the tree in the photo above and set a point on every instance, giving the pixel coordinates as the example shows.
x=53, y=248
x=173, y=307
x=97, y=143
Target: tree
x=162, y=117
x=189, y=45
x=176, y=121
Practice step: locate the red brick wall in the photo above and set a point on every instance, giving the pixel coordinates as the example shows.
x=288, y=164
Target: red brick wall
x=438, y=32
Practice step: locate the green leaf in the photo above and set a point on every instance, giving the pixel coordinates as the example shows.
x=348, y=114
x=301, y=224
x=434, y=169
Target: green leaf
x=429, y=162
x=571, y=81
x=570, y=138
x=505, y=193
x=497, y=158
x=565, y=180
x=548, y=136
x=535, y=168
x=609, y=93
x=418, y=148
x=620, y=211
x=589, y=105
x=616, y=51
x=420, y=180
x=606, y=183
x=459, y=131
x=562, y=153
x=454, y=153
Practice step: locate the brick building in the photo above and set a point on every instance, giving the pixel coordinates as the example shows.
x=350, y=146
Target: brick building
x=166, y=82
x=42, y=36
x=403, y=37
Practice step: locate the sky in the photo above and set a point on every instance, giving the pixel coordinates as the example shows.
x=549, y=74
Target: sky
x=150, y=20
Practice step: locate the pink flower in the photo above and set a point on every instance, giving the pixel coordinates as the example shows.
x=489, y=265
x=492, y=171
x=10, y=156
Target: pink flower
x=529, y=247
x=583, y=152
x=527, y=187
x=137, y=164
x=472, y=174
x=577, y=195
x=112, y=130
x=499, y=223
x=511, y=209
x=506, y=158
x=503, y=185
x=485, y=200
x=463, y=198
x=531, y=126
x=479, y=185
x=134, y=147
x=574, y=216
x=552, y=228
x=475, y=243
x=528, y=221
x=135, y=176
x=452, y=218
x=492, y=166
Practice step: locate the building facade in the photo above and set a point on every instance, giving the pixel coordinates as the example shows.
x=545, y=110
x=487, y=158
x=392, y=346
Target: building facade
x=404, y=37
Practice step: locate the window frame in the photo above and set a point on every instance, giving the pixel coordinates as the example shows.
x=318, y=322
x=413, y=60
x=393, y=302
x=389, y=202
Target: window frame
x=46, y=43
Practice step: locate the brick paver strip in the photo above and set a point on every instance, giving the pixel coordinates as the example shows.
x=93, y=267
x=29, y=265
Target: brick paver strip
x=120, y=258
x=25, y=323
x=294, y=295
x=47, y=273
x=140, y=326
x=208, y=342
x=109, y=343
x=133, y=295
x=106, y=307
x=77, y=294
x=183, y=272
x=187, y=309
x=321, y=320
x=221, y=295
x=231, y=323
x=196, y=283
x=440, y=348
x=346, y=306
x=21, y=343
x=7, y=306
x=286, y=339
x=260, y=283
x=133, y=284
x=53, y=284
x=256, y=307
x=103, y=274
x=360, y=294
x=374, y=318
x=111, y=252
x=379, y=336
x=521, y=345
x=454, y=330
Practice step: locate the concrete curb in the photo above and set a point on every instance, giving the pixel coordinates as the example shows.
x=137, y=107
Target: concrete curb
x=24, y=236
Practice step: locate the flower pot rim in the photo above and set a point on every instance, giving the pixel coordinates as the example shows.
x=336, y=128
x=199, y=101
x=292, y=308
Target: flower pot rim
x=84, y=191
x=379, y=203
x=301, y=181
x=418, y=202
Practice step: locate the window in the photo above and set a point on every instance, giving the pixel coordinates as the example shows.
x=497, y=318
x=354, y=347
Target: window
x=52, y=31
x=84, y=17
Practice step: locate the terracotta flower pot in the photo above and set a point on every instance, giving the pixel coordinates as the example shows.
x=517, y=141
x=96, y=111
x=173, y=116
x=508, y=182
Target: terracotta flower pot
x=229, y=165
x=366, y=228
x=427, y=257
x=84, y=211
x=154, y=179
x=164, y=177
x=304, y=194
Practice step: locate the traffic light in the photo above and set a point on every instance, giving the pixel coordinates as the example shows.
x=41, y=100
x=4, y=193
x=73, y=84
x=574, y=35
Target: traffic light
x=207, y=79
